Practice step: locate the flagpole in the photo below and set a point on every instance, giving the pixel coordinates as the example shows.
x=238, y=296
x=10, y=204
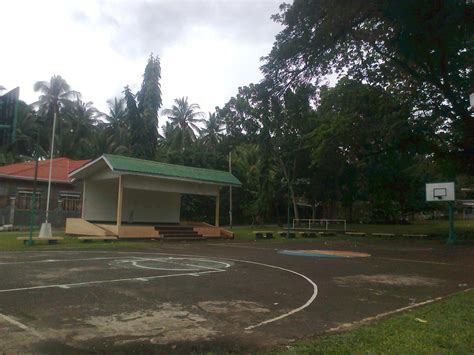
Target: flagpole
x=45, y=231
x=50, y=168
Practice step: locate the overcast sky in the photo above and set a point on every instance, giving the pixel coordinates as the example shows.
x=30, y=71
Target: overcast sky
x=208, y=48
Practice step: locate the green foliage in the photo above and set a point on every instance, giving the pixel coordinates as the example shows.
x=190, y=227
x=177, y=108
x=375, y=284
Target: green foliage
x=420, y=49
x=184, y=119
x=149, y=102
x=364, y=146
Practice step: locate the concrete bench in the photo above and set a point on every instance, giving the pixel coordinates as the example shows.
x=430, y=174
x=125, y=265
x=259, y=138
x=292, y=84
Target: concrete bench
x=326, y=233
x=52, y=240
x=355, y=233
x=286, y=234
x=383, y=234
x=308, y=234
x=415, y=235
x=263, y=234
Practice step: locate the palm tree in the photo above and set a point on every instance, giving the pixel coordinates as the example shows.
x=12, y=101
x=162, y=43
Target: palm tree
x=53, y=95
x=184, y=118
x=78, y=128
x=117, y=112
x=211, y=134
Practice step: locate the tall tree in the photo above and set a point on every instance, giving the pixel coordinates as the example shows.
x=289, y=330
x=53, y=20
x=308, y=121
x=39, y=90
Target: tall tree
x=364, y=147
x=421, y=49
x=184, y=118
x=136, y=124
x=149, y=103
x=54, y=96
x=276, y=124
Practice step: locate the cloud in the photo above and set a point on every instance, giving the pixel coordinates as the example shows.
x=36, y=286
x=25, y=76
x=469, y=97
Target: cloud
x=153, y=26
x=207, y=48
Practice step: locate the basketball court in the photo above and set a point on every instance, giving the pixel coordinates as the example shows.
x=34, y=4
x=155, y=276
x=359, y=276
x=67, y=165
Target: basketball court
x=222, y=296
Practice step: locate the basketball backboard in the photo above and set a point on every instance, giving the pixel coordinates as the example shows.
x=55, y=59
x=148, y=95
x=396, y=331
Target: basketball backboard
x=442, y=191
x=8, y=116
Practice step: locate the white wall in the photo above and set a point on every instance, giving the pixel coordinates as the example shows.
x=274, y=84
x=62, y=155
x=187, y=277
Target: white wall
x=100, y=200
x=168, y=185
x=151, y=206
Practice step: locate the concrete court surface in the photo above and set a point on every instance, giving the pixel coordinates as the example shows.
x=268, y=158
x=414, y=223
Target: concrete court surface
x=220, y=296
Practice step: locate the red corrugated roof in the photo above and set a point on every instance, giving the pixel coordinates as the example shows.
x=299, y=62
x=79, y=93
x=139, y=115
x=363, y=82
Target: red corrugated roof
x=26, y=171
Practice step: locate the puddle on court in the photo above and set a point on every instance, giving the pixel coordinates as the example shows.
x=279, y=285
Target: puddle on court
x=387, y=279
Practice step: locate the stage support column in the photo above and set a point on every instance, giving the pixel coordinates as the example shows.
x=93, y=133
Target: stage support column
x=218, y=197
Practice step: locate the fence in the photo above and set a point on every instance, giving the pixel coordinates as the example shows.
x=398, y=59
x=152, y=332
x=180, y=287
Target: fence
x=318, y=223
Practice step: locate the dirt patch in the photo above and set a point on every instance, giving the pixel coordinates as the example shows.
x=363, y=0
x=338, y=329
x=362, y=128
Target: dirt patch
x=387, y=279
x=169, y=323
x=223, y=307
x=65, y=272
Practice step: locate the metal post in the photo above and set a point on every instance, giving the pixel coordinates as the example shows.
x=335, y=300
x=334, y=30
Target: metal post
x=33, y=198
x=452, y=232
x=288, y=211
x=230, y=192
x=50, y=168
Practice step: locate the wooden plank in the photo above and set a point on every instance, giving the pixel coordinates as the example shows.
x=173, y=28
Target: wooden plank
x=137, y=231
x=211, y=232
x=383, y=234
x=112, y=228
x=79, y=226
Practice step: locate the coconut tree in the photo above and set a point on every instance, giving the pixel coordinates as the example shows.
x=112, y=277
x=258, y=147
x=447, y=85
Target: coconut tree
x=53, y=95
x=184, y=118
x=211, y=134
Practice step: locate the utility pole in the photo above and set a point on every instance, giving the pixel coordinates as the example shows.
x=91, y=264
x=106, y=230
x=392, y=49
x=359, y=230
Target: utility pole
x=230, y=191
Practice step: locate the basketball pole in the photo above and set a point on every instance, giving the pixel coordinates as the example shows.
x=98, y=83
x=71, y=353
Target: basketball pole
x=452, y=232
x=230, y=191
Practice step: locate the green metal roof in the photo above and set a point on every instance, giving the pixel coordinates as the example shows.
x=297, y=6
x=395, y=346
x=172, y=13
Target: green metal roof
x=140, y=166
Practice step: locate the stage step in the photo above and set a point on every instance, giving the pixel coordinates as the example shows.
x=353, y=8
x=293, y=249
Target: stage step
x=170, y=227
x=183, y=238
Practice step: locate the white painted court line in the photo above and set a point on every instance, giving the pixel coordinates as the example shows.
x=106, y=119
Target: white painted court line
x=21, y=325
x=65, y=286
x=382, y=315
x=305, y=305
x=197, y=267
x=61, y=260
x=307, y=279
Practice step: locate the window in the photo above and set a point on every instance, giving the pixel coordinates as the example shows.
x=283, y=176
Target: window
x=24, y=197
x=70, y=202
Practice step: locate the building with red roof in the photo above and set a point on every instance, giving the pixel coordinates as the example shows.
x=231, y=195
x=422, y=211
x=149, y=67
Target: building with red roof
x=16, y=191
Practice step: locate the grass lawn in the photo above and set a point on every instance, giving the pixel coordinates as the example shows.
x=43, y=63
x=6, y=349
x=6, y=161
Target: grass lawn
x=449, y=328
x=464, y=229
